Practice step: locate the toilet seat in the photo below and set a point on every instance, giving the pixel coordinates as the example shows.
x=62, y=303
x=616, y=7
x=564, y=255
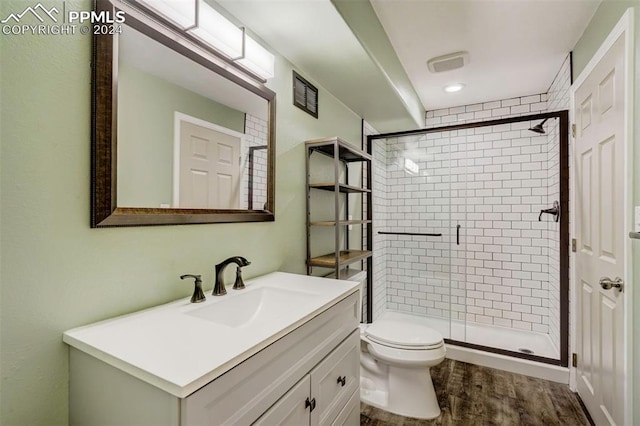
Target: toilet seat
x=403, y=335
x=407, y=358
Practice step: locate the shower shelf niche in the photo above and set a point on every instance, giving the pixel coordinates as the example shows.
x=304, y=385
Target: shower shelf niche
x=345, y=252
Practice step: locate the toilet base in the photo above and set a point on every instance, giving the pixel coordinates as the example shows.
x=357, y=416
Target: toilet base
x=410, y=394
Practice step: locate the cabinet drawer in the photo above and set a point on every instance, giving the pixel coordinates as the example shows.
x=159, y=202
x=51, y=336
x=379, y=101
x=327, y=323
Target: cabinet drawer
x=350, y=414
x=335, y=379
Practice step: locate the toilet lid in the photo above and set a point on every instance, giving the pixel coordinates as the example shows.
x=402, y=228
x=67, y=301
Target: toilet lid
x=404, y=334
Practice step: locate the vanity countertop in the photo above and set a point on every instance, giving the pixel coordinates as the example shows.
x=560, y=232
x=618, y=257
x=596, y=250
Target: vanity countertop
x=181, y=346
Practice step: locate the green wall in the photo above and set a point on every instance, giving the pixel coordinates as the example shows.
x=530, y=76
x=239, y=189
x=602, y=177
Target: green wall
x=146, y=106
x=55, y=272
x=606, y=17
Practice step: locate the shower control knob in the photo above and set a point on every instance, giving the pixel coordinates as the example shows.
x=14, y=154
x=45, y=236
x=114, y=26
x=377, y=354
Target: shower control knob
x=607, y=284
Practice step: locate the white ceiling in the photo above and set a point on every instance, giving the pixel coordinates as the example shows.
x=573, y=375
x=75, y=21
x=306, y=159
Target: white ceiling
x=515, y=47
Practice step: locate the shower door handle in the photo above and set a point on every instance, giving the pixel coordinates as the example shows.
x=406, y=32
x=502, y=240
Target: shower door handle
x=458, y=235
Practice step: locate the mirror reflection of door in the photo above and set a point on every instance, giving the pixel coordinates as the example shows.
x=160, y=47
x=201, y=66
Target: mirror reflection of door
x=209, y=167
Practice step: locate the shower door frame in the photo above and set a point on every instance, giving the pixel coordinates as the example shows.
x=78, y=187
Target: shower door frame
x=563, y=117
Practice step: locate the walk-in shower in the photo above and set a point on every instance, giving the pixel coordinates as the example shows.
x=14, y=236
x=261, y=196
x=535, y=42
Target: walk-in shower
x=461, y=238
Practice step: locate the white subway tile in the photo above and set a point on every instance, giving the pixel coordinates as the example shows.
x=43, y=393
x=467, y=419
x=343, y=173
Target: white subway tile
x=482, y=114
x=510, y=102
x=520, y=109
x=500, y=112
x=473, y=107
x=491, y=105
x=530, y=99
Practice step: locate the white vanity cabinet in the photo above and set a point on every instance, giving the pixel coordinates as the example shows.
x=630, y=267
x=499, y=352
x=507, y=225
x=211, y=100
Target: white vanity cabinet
x=330, y=388
x=315, y=365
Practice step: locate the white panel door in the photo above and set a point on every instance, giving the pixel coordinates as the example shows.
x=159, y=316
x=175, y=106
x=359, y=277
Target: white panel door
x=209, y=168
x=599, y=160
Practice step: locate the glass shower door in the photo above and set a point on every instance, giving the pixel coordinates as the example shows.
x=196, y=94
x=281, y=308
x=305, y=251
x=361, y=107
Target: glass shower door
x=419, y=259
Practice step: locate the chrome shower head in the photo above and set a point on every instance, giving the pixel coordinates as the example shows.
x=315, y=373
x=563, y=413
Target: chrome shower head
x=538, y=128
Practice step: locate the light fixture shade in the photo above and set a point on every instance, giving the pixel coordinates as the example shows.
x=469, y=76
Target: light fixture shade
x=216, y=31
x=258, y=59
x=180, y=12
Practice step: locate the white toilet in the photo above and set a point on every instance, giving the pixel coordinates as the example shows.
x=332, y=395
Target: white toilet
x=397, y=353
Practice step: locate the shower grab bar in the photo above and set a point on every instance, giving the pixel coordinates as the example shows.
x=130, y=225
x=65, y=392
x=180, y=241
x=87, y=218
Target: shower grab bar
x=410, y=233
x=458, y=234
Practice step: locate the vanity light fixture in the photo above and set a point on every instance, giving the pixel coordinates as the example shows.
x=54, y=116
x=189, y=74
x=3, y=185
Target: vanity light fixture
x=455, y=87
x=216, y=31
x=257, y=58
x=203, y=22
x=182, y=13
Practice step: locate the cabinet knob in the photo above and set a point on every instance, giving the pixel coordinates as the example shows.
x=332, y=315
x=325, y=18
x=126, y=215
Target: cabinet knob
x=310, y=403
x=342, y=380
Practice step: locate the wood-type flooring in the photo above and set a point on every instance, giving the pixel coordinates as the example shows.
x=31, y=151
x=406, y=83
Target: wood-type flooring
x=471, y=395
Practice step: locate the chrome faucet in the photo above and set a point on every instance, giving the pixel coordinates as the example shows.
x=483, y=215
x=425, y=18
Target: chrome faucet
x=218, y=288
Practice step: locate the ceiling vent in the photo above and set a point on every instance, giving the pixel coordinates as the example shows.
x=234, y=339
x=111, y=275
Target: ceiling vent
x=448, y=62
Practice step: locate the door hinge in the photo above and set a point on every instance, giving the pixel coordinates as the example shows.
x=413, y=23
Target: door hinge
x=573, y=130
x=574, y=245
x=574, y=360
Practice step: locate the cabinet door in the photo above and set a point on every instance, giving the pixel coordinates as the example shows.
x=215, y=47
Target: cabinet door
x=350, y=414
x=335, y=379
x=290, y=409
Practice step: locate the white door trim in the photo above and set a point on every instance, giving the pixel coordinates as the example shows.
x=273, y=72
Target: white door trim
x=178, y=118
x=624, y=27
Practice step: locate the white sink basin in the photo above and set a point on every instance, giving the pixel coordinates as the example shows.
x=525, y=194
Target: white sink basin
x=262, y=304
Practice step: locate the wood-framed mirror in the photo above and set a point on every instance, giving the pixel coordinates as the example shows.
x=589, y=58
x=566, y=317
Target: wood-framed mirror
x=179, y=135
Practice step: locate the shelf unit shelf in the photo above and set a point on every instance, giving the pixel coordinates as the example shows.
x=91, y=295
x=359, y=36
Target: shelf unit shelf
x=346, y=189
x=346, y=152
x=339, y=222
x=344, y=253
x=345, y=258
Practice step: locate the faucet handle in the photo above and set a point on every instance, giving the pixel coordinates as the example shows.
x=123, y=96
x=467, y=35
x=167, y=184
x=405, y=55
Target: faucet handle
x=198, y=295
x=239, y=284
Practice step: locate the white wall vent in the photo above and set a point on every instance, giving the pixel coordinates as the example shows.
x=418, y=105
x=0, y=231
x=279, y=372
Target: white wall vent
x=448, y=62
